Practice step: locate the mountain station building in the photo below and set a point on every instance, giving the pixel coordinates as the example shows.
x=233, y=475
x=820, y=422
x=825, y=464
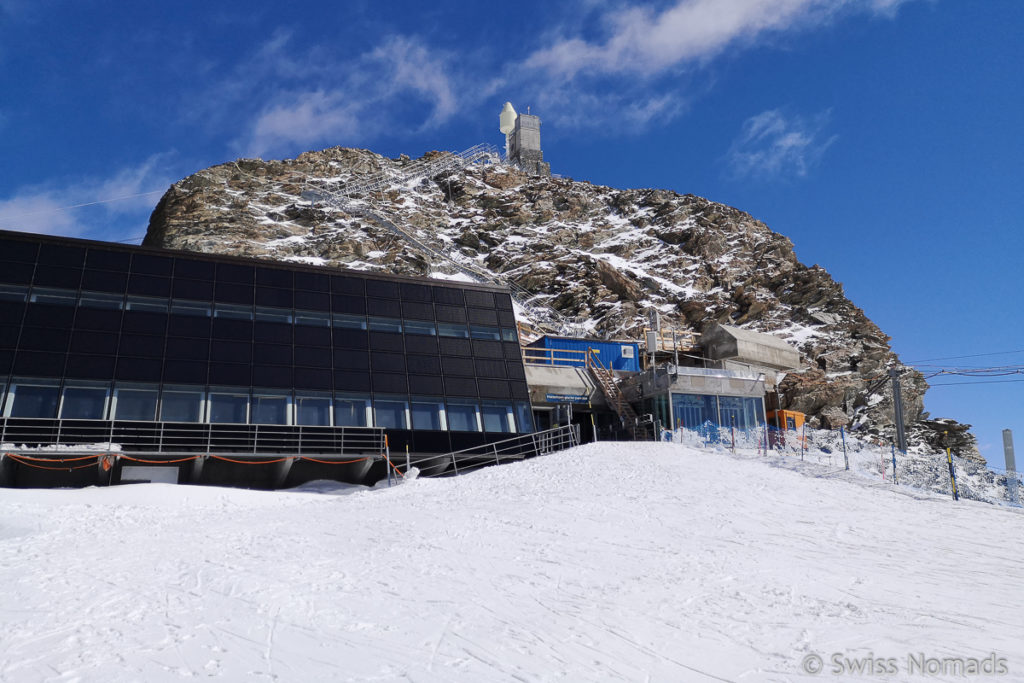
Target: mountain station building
x=126, y=363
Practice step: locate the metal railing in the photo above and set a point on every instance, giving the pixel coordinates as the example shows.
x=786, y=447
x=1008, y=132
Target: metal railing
x=421, y=168
x=672, y=340
x=507, y=450
x=43, y=436
x=342, y=197
x=562, y=357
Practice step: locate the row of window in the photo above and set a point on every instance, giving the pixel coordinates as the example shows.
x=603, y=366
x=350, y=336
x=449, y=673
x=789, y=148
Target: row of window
x=85, y=400
x=692, y=411
x=60, y=262
x=86, y=299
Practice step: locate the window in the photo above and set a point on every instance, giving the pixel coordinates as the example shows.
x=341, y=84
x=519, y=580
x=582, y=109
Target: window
x=228, y=406
x=312, y=318
x=462, y=416
x=135, y=401
x=350, y=411
x=524, y=417
x=510, y=335
x=419, y=327
x=181, y=404
x=314, y=409
x=84, y=401
x=692, y=411
x=101, y=300
x=269, y=408
x=731, y=411
x=13, y=293
x=427, y=413
x=273, y=315
x=350, y=322
x=385, y=325
x=452, y=330
x=497, y=416
x=59, y=297
x=232, y=311
x=147, y=303
x=483, y=332
x=198, y=309
x=32, y=398
x=389, y=412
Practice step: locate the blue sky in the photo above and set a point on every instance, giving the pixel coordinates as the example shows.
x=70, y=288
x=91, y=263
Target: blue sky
x=882, y=136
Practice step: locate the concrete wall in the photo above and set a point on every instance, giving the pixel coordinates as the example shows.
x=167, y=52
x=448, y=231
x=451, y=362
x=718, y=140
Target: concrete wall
x=755, y=348
x=547, y=383
x=694, y=381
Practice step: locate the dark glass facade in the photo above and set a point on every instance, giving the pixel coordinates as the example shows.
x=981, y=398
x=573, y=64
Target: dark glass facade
x=97, y=331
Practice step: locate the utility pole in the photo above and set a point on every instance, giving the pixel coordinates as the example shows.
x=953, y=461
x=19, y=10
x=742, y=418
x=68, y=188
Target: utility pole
x=1011, y=467
x=897, y=410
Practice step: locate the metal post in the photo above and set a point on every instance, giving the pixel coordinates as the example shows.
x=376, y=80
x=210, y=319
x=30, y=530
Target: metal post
x=732, y=431
x=497, y=460
x=1011, y=467
x=895, y=480
x=952, y=469
x=407, y=464
x=897, y=411
x=846, y=459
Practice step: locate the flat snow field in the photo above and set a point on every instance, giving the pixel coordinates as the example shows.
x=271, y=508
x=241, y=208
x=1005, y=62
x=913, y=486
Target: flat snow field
x=608, y=562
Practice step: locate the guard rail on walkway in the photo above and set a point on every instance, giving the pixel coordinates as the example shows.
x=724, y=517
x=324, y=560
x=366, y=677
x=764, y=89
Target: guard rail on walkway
x=43, y=436
x=507, y=450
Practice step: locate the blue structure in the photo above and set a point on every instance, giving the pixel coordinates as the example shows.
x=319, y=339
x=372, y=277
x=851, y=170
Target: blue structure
x=571, y=351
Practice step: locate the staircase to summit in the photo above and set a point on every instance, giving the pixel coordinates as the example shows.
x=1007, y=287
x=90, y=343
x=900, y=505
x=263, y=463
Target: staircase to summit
x=357, y=199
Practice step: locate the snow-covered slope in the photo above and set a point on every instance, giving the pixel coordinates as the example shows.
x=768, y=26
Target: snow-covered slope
x=609, y=562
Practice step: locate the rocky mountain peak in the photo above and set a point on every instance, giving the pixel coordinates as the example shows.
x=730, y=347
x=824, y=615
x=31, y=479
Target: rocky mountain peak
x=600, y=256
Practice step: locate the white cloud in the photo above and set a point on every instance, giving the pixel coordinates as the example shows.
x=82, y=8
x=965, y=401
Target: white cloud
x=774, y=145
x=641, y=41
x=83, y=208
x=401, y=79
x=577, y=108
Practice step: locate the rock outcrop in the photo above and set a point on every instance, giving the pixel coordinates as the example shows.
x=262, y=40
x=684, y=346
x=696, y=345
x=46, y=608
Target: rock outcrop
x=599, y=255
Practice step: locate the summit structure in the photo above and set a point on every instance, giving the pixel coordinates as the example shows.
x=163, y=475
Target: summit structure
x=522, y=141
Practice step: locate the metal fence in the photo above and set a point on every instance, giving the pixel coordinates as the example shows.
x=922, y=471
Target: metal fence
x=176, y=438
x=498, y=452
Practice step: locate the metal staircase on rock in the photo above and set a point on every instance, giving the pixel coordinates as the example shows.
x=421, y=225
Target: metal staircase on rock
x=343, y=199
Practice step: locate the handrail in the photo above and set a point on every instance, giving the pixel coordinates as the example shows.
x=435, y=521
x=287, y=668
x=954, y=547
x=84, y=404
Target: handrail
x=539, y=356
x=683, y=339
x=514, y=448
x=57, y=435
x=342, y=198
x=612, y=392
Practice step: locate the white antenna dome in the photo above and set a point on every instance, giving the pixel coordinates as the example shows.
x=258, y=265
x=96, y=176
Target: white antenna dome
x=507, y=119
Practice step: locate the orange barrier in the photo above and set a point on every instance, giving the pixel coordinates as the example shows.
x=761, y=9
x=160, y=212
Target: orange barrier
x=158, y=462
x=19, y=460
x=334, y=462
x=29, y=457
x=22, y=459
